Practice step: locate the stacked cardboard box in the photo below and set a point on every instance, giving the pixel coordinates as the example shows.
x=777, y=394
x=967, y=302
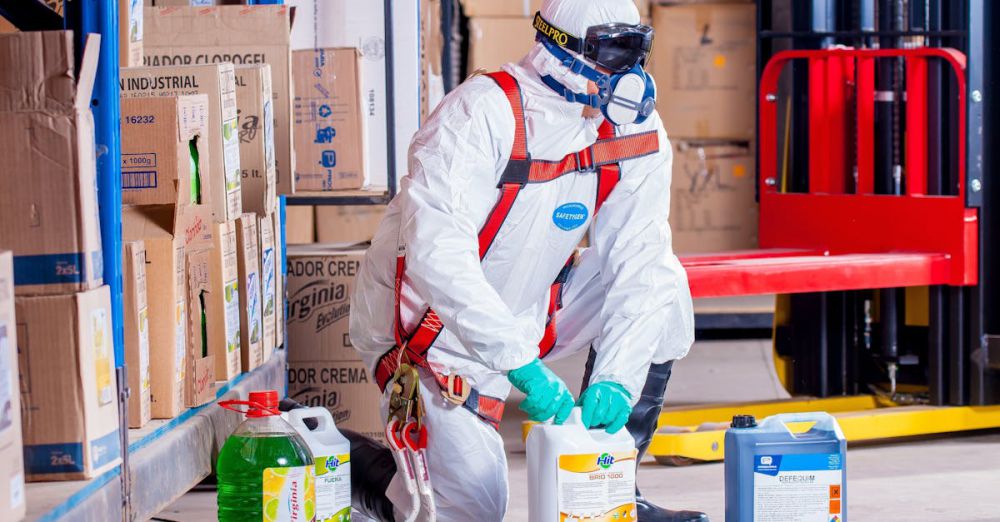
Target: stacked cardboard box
x=256, y=240
x=323, y=368
x=48, y=193
x=220, y=143
x=703, y=61
x=130, y=33
x=48, y=218
x=329, y=139
x=12, y=501
x=242, y=35
x=168, y=196
x=136, y=317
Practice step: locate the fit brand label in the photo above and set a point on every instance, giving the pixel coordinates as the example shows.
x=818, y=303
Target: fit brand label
x=289, y=494
x=597, y=487
x=333, y=488
x=798, y=488
x=570, y=216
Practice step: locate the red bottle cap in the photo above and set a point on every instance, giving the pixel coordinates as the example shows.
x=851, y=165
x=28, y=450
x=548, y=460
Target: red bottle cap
x=263, y=404
x=260, y=404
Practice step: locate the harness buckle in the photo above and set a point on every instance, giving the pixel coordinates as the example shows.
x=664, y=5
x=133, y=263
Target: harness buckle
x=404, y=398
x=456, y=390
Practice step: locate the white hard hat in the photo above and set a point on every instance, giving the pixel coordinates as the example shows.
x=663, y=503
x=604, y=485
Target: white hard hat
x=576, y=16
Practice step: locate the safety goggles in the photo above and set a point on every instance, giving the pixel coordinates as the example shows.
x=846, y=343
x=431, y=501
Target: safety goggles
x=615, y=47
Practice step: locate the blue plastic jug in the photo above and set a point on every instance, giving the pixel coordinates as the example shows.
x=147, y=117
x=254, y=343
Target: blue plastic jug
x=775, y=475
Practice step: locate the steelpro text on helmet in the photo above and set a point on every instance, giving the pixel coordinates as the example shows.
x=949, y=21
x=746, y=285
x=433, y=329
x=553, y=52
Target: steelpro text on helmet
x=626, y=94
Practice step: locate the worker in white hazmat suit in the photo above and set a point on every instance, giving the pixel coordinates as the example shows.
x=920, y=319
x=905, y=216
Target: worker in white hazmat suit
x=472, y=276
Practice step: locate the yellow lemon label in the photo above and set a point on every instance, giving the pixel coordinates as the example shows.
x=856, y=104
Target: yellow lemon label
x=289, y=494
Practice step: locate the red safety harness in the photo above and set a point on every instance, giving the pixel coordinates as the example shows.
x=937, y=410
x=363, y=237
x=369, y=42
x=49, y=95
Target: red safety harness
x=603, y=157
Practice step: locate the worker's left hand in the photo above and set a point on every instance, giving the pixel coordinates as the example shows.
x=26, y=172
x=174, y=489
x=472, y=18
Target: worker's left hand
x=605, y=404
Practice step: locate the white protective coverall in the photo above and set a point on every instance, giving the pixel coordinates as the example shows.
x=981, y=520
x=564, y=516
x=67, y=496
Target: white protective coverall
x=628, y=296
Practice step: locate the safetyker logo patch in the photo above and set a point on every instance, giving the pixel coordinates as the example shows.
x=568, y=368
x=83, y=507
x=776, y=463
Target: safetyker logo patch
x=570, y=216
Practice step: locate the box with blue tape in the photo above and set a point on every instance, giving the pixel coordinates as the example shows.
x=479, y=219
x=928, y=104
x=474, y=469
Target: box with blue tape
x=68, y=386
x=48, y=187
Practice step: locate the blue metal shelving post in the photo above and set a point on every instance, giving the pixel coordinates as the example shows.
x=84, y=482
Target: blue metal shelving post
x=101, y=17
x=86, y=17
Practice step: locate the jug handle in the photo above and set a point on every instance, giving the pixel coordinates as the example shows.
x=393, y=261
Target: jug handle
x=822, y=420
x=322, y=415
x=575, y=418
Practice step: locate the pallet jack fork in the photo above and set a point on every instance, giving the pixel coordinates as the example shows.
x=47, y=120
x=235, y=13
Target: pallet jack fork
x=839, y=235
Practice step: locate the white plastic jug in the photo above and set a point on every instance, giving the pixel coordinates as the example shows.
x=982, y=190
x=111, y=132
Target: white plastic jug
x=580, y=474
x=332, y=452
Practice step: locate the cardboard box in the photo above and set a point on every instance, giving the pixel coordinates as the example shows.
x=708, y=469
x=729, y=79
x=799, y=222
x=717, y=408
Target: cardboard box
x=130, y=33
x=526, y=8
x=496, y=41
x=346, y=388
x=251, y=313
x=12, y=498
x=712, y=205
x=48, y=182
x=279, y=282
x=165, y=156
x=346, y=24
x=348, y=224
x=704, y=61
x=269, y=274
x=67, y=361
x=167, y=310
x=218, y=81
x=222, y=303
x=241, y=35
x=329, y=141
x=320, y=283
x=256, y=109
x=199, y=387
x=300, y=225
x=136, y=319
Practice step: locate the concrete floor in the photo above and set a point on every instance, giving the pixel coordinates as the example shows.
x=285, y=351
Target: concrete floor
x=954, y=479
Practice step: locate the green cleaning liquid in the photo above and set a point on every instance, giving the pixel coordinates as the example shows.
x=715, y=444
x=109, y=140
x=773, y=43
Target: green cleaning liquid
x=265, y=470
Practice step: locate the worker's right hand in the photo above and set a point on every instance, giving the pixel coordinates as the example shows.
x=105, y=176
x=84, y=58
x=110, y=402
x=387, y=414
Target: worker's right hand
x=547, y=394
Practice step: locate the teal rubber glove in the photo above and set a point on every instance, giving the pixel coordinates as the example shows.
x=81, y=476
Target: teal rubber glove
x=547, y=394
x=606, y=404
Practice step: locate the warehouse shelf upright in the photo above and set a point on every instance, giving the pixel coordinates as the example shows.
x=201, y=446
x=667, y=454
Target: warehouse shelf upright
x=175, y=454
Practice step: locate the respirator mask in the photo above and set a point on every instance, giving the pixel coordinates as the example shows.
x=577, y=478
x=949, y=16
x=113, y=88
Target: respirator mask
x=626, y=93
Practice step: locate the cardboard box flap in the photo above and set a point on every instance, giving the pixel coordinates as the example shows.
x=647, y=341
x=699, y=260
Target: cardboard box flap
x=148, y=222
x=218, y=26
x=38, y=71
x=88, y=71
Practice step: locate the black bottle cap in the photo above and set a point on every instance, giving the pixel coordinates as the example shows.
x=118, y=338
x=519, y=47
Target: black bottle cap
x=744, y=421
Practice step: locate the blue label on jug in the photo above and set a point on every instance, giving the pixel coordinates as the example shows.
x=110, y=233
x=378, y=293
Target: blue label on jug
x=773, y=464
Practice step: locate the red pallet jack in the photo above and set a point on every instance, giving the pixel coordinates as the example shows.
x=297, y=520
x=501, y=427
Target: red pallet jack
x=842, y=236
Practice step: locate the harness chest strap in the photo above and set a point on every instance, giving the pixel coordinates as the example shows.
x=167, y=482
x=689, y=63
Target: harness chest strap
x=604, y=157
